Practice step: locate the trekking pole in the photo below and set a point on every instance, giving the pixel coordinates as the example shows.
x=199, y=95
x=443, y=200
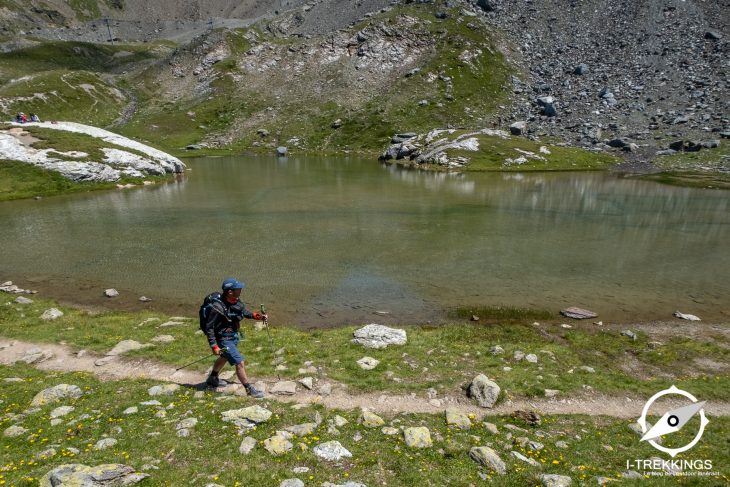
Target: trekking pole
x=224, y=349
x=271, y=342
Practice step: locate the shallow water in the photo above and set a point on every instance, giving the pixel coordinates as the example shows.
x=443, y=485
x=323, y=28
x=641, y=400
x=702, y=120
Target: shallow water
x=332, y=240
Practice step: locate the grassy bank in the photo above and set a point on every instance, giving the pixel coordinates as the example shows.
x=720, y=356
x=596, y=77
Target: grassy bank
x=20, y=180
x=443, y=357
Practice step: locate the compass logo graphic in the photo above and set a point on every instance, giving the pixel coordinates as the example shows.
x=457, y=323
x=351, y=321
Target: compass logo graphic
x=672, y=421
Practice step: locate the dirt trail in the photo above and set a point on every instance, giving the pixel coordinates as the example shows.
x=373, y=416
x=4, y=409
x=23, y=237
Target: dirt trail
x=117, y=368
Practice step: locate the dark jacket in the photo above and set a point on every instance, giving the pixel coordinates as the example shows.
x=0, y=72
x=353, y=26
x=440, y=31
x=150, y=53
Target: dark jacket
x=224, y=319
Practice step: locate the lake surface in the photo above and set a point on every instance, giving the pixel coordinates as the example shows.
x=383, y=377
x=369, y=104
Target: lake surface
x=326, y=241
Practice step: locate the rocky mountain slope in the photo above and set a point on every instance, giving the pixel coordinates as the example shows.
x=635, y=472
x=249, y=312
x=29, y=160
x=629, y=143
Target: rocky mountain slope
x=325, y=75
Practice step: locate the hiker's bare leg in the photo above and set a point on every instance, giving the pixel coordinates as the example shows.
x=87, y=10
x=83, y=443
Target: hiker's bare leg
x=219, y=363
x=241, y=373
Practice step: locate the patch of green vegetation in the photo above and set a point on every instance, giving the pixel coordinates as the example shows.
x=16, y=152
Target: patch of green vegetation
x=20, y=180
x=444, y=357
x=85, y=9
x=493, y=152
x=73, y=56
x=707, y=168
x=501, y=313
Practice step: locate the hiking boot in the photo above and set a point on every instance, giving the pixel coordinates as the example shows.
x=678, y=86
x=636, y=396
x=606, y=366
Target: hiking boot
x=212, y=380
x=253, y=392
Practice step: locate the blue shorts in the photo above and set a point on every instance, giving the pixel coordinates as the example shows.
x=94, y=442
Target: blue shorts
x=233, y=356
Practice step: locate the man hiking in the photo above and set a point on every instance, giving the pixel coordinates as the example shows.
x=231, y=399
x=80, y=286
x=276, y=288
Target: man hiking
x=221, y=316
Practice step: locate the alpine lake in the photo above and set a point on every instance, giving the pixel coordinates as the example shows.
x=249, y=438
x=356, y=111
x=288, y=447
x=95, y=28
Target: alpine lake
x=332, y=241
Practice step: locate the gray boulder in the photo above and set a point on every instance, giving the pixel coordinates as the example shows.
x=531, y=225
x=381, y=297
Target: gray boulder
x=56, y=393
x=487, y=457
x=281, y=151
x=518, y=128
x=379, y=336
x=485, y=391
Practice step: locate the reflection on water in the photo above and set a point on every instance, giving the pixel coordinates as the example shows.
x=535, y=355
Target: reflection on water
x=329, y=240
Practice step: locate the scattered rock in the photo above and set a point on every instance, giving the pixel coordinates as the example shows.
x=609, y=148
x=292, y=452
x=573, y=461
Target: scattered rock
x=552, y=480
x=551, y=392
x=163, y=390
x=247, y=445
x=23, y=300
x=111, y=293
x=105, y=443
x=418, y=437
x=99, y=476
x=368, y=363
x=487, y=457
x=61, y=411
x=331, y=450
x=163, y=339
x=56, y=393
x=14, y=431
x=485, y=391
x=51, y=314
x=684, y=316
x=126, y=346
x=518, y=128
x=36, y=355
x=144, y=299
x=307, y=382
x=379, y=336
x=525, y=459
x=277, y=445
x=247, y=416
x=284, y=388
x=291, y=483
x=281, y=151
x=629, y=333
x=371, y=420
x=456, y=418
x=578, y=313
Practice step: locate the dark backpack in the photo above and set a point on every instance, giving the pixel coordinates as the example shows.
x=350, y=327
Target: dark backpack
x=206, y=307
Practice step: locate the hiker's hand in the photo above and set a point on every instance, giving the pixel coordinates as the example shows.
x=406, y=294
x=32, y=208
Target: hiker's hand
x=258, y=316
x=216, y=350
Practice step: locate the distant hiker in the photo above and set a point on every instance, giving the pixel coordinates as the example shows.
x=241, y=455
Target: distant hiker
x=21, y=118
x=34, y=118
x=220, y=319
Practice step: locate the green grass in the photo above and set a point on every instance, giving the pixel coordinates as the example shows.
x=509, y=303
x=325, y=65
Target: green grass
x=443, y=357
x=20, y=180
x=707, y=168
x=502, y=313
x=210, y=453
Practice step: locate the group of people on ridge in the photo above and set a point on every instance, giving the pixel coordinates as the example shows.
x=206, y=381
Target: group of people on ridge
x=23, y=118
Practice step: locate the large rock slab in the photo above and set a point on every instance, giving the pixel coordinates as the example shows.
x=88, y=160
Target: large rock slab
x=487, y=457
x=379, y=336
x=485, y=391
x=245, y=416
x=56, y=393
x=80, y=475
x=277, y=445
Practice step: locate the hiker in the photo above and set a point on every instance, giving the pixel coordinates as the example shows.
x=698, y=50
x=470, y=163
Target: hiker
x=222, y=320
x=34, y=118
x=21, y=118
